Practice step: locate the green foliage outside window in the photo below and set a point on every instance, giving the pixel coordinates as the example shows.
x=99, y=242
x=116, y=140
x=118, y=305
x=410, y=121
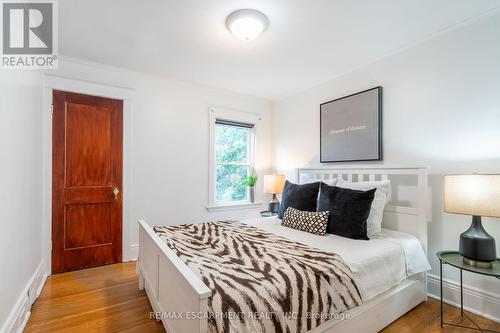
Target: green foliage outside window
x=232, y=158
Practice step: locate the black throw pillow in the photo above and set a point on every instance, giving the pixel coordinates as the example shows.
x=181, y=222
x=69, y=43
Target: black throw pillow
x=349, y=210
x=302, y=197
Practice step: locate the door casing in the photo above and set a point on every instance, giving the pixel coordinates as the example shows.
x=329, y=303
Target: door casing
x=130, y=246
x=86, y=213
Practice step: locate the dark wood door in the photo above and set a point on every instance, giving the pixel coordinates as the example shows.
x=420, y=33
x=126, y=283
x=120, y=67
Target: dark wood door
x=87, y=142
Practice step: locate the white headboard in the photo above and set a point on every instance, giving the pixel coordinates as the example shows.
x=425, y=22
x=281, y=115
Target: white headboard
x=410, y=219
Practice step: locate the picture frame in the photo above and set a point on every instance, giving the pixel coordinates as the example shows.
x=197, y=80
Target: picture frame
x=351, y=127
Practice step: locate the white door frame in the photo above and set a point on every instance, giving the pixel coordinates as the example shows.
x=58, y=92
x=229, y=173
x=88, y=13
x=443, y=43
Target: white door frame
x=50, y=82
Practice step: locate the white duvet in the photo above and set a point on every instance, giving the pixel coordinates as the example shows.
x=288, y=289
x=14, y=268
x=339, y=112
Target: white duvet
x=378, y=264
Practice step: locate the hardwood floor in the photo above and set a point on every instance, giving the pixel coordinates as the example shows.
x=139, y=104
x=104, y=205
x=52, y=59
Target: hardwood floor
x=425, y=318
x=102, y=299
x=106, y=299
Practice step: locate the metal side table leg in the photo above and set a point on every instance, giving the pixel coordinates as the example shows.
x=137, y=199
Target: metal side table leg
x=441, y=288
x=461, y=295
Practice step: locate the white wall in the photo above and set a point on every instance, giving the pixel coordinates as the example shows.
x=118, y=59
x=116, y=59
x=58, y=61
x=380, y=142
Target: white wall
x=169, y=137
x=441, y=108
x=20, y=183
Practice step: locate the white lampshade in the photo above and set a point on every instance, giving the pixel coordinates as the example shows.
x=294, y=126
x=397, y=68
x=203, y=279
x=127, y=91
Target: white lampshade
x=477, y=195
x=274, y=183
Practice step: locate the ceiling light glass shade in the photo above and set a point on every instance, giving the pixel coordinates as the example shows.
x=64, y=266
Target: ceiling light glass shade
x=246, y=24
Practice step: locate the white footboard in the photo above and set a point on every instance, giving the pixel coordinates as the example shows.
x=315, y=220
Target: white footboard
x=177, y=295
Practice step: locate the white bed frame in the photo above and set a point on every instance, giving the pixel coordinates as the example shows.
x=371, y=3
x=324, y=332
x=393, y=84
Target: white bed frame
x=178, y=296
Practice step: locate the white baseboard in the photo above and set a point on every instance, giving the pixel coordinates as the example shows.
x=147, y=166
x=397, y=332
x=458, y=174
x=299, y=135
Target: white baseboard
x=477, y=301
x=134, y=252
x=18, y=317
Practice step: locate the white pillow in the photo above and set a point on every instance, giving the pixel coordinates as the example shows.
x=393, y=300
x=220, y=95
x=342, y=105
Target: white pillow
x=374, y=221
x=308, y=180
x=331, y=182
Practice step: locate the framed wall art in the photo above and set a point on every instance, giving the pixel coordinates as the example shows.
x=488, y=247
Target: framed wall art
x=351, y=128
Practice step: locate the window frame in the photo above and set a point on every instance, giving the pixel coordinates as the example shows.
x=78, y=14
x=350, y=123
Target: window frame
x=237, y=117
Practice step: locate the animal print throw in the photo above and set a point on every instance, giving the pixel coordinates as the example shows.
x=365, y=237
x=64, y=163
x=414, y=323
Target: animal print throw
x=262, y=282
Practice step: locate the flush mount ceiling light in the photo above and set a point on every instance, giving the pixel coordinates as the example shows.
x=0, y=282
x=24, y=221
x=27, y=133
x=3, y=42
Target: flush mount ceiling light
x=246, y=24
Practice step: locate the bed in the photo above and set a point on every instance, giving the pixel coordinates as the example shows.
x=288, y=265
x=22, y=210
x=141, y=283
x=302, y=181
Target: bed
x=389, y=270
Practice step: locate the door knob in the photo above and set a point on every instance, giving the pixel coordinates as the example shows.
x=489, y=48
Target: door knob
x=116, y=191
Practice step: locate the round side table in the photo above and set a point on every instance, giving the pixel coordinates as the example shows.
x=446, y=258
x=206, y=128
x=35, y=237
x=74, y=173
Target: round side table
x=267, y=213
x=453, y=258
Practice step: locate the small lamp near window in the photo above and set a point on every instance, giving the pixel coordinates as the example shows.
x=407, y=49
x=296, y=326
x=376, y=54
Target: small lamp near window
x=476, y=195
x=273, y=184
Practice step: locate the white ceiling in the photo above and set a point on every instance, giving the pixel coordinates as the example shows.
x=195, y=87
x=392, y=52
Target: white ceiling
x=307, y=42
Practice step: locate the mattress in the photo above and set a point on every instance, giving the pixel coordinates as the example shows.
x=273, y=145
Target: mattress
x=377, y=264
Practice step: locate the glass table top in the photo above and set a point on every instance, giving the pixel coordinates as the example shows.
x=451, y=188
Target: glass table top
x=454, y=258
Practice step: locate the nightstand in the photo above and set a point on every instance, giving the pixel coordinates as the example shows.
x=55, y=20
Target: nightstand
x=453, y=258
x=267, y=213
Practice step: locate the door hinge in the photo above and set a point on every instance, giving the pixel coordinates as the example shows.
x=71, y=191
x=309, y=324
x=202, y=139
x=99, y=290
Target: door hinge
x=52, y=109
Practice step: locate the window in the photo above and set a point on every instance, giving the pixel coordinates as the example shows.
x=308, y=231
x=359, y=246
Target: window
x=232, y=157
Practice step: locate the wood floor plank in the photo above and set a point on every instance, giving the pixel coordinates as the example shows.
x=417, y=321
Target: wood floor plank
x=107, y=300
x=426, y=318
x=88, y=301
x=72, y=283
x=119, y=318
x=102, y=299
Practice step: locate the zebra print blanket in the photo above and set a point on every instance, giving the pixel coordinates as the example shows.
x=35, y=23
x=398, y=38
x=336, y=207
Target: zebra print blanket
x=262, y=282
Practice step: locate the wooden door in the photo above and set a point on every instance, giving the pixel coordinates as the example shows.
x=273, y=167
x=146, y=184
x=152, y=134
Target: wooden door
x=87, y=140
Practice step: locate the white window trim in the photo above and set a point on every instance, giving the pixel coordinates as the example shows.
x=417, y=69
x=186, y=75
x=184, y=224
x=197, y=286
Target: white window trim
x=237, y=116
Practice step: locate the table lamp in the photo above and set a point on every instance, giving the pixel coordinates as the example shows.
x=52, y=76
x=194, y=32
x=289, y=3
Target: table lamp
x=273, y=184
x=476, y=195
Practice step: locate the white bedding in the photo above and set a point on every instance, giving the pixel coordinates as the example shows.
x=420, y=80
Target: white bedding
x=377, y=264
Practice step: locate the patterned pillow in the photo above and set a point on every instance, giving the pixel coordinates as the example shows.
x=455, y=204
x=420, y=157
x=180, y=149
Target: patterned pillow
x=313, y=222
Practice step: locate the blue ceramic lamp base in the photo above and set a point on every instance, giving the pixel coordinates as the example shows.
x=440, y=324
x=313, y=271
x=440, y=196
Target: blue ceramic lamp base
x=274, y=205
